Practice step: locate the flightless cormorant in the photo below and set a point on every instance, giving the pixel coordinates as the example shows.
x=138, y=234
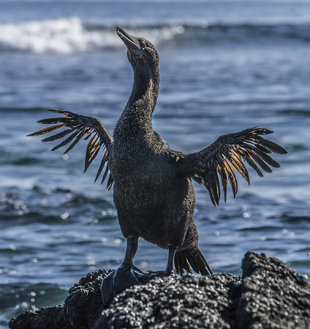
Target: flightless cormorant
x=152, y=183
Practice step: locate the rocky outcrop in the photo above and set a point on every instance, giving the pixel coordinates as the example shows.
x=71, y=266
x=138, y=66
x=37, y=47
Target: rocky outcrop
x=272, y=295
x=268, y=295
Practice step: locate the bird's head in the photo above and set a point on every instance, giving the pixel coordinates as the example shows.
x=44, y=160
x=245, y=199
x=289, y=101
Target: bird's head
x=142, y=55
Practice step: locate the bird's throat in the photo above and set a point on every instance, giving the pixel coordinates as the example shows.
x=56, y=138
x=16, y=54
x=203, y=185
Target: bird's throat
x=145, y=87
x=143, y=98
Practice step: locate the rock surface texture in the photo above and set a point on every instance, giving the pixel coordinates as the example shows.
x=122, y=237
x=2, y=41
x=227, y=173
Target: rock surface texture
x=268, y=295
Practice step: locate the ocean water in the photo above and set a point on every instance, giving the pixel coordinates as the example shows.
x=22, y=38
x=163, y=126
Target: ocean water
x=225, y=66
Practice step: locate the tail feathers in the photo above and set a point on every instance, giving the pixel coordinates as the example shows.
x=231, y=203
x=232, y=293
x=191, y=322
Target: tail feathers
x=191, y=258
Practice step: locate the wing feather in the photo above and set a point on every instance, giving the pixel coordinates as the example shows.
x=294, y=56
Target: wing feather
x=57, y=136
x=216, y=164
x=46, y=130
x=102, y=163
x=221, y=170
x=66, y=141
x=78, y=138
x=80, y=126
x=105, y=174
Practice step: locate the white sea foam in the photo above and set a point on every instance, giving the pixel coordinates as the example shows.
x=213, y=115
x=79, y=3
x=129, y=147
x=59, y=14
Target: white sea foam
x=65, y=35
x=158, y=35
x=69, y=35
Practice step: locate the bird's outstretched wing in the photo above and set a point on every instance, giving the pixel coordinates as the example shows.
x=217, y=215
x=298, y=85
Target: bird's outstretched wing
x=79, y=126
x=218, y=161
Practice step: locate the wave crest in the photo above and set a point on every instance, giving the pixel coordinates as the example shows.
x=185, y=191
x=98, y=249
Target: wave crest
x=58, y=36
x=70, y=35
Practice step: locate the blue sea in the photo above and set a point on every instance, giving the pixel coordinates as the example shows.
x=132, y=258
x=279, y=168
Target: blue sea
x=225, y=66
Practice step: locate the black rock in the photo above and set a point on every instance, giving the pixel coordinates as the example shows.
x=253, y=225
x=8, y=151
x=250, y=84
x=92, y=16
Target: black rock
x=268, y=295
x=84, y=305
x=272, y=295
x=175, y=302
x=45, y=318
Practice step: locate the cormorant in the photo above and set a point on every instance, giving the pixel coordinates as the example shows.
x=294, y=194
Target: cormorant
x=152, y=183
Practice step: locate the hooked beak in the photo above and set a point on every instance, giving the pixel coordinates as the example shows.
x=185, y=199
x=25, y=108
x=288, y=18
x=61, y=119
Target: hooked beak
x=131, y=42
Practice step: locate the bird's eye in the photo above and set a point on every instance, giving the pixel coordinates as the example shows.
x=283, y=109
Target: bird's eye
x=142, y=44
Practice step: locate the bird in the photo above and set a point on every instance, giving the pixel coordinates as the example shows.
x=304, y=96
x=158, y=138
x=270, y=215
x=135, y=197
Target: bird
x=152, y=183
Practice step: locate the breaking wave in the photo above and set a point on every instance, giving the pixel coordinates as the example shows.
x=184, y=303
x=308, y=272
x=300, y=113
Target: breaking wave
x=71, y=35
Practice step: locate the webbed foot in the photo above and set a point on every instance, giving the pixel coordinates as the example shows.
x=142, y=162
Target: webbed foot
x=150, y=275
x=119, y=280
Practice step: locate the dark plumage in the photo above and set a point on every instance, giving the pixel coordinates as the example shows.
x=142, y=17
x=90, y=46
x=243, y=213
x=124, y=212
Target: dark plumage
x=153, y=191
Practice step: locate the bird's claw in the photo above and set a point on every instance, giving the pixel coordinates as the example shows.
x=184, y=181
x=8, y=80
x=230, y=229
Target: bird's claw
x=150, y=274
x=119, y=280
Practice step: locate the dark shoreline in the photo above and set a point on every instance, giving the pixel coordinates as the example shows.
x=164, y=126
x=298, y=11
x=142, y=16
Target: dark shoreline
x=267, y=295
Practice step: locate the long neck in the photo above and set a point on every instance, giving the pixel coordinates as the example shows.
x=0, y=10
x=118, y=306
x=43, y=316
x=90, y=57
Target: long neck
x=143, y=98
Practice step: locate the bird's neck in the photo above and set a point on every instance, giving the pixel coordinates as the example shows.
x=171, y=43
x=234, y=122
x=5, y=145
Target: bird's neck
x=143, y=98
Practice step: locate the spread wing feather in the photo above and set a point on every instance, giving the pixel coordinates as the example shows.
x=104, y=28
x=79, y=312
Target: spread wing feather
x=80, y=126
x=217, y=162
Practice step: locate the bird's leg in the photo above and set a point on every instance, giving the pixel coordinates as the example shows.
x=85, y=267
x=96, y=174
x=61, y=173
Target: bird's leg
x=169, y=267
x=124, y=277
x=131, y=249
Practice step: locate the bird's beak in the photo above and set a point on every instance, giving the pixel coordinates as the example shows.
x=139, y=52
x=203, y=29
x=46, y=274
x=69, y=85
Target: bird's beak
x=131, y=42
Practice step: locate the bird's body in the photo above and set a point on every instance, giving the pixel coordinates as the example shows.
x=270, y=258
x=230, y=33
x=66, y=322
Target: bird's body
x=152, y=202
x=152, y=183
